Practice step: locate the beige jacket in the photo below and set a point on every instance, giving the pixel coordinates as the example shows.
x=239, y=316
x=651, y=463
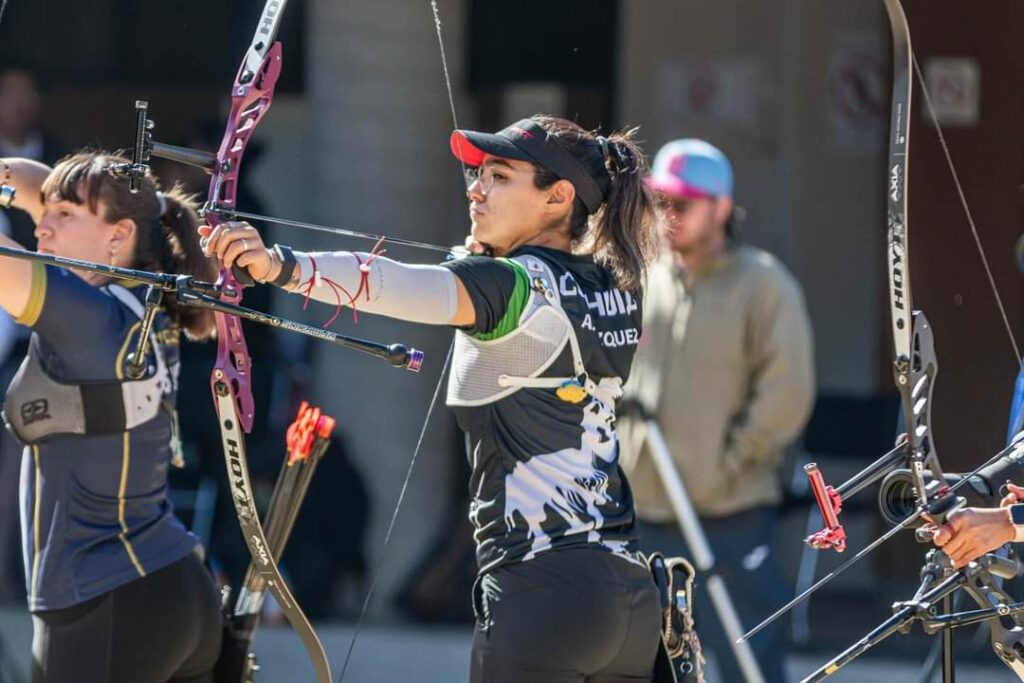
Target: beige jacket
x=726, y=363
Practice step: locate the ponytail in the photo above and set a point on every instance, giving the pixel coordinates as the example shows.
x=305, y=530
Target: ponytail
x=178, y=251
x=621, y=234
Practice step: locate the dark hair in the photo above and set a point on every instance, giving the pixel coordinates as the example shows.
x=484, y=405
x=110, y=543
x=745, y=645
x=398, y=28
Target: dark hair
x=620, y=234
x=734, y=226
x=166, y=240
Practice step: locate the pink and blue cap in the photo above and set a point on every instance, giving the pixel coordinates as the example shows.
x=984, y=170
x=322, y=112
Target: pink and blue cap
x=691, y=169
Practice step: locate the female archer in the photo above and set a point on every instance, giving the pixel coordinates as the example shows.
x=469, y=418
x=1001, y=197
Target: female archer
x=546, y=331
x=116, y=584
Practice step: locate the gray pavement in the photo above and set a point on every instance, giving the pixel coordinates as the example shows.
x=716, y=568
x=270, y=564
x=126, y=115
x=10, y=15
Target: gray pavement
x=400, y=653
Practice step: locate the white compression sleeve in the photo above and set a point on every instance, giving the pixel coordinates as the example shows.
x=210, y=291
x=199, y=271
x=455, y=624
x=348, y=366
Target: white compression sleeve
x=417, y=293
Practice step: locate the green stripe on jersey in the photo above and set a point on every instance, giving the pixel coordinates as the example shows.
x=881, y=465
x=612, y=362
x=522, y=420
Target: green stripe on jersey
x=516, y=303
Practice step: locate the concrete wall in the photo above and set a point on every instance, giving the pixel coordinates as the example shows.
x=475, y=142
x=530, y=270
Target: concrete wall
x=771, y=84
x=377, y=134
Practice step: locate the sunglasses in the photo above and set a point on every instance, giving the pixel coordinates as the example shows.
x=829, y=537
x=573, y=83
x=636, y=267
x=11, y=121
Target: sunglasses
x=674, y=204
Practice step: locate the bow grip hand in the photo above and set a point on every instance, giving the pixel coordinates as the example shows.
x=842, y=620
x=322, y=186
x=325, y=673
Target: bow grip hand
x=240, y=248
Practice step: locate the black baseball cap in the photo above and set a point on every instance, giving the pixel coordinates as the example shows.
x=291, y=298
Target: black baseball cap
x=527, y=140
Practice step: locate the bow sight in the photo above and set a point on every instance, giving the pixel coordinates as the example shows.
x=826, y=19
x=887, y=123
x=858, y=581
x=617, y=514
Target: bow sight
x=191, y=292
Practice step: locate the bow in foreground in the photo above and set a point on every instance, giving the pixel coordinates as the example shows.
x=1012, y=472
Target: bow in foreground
x=919, y=489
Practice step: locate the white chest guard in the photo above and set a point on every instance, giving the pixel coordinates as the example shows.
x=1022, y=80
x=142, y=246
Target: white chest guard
x=484, y=371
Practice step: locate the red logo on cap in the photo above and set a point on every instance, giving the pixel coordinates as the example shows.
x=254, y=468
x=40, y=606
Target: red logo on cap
x=523, y=133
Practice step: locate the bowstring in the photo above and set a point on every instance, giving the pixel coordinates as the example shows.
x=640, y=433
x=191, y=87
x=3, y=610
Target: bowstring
x=394, y=518
x=444, y=66
x=433, y=401
x=966, y=207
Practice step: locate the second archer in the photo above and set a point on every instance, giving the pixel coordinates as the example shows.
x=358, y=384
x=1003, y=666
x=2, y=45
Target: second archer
x=116, y=585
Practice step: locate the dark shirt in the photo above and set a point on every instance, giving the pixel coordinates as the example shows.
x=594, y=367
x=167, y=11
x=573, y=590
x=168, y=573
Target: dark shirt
x=94, y=509
x=545, y=472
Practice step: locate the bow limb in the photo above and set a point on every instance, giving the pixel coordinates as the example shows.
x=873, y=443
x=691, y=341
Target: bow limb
x=264, y=564
x=251, y=96
x=915, y=364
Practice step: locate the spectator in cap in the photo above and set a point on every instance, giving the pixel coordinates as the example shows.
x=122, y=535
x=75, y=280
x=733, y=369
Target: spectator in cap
x=726, y=367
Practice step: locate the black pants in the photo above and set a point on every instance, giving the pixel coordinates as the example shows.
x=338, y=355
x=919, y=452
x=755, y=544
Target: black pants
x=742, y=544
x=567, y=616
x=163, y=627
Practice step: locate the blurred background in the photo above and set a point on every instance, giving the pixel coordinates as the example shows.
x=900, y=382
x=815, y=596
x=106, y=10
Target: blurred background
x=796, y=92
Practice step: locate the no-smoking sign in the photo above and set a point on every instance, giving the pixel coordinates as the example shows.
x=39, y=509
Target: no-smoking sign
x=954, y=84
x=858, y=91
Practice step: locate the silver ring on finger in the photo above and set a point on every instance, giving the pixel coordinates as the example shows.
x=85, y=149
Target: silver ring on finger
x=245, y=248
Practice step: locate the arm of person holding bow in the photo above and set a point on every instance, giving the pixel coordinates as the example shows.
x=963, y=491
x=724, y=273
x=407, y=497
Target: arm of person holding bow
x=26, y=178
x=375, y=284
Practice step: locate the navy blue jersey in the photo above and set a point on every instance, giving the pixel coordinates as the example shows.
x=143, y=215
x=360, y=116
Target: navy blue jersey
x=94, y=508
x=545, y=472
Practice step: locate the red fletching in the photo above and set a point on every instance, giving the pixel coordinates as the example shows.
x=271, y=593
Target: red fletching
x=325, y=427
x=309, y=426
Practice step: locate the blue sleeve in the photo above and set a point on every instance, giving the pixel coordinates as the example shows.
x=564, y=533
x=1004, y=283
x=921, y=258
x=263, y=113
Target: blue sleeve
x=83, y=330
